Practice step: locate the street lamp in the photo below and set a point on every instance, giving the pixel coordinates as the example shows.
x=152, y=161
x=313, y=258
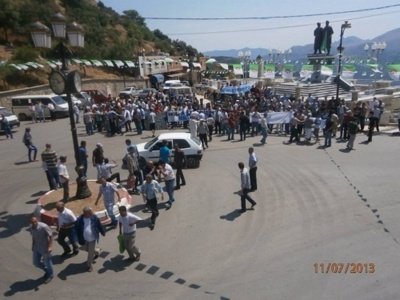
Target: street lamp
x=245, y=58
x=64, y=81
x=345, y=25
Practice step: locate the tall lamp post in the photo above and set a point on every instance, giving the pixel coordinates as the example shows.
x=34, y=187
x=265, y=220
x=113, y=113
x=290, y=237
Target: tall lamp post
x=245, y=58
x=345, y=25
x=64, y=81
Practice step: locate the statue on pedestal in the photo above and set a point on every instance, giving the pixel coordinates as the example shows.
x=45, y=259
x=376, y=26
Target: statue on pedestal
x=327, y=41
x=318, y=38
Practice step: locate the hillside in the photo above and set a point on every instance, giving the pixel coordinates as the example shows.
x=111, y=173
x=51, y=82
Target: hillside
x=108, y=35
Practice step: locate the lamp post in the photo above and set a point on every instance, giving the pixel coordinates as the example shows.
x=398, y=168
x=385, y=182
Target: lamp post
x=64, y=81
x=245, y=58
x=345, y=25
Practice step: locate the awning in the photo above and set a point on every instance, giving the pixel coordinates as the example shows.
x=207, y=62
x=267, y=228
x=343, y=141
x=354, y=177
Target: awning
x=157, y=78
x=130, y=64
x=108, y=63
x=224, y=66
x=184, y=64
x=169, y=60
x=119, y=63
x=78, y=61
x=97, y=63
x=87, y=63
x=196, y=65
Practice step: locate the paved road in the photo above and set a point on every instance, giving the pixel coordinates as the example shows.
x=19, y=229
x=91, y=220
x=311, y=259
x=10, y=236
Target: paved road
x=314, y=206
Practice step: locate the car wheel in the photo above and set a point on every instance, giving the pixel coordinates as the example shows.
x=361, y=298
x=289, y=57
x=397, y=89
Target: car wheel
x=193, y=162
x=22, y=117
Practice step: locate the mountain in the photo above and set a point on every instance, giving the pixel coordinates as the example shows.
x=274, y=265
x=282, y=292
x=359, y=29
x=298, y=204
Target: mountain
x=353, y=47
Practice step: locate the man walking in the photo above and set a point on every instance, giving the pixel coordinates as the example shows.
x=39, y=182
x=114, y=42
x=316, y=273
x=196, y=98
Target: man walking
x=27, y=140
x=63, y=177
x=66, y=228
x=180, y=161
x=169, y=179
x=42, y=241
x=83, y=157
x=127, y=226
x=352, y=129
x=149, y=191
x=107, y=190
x=245, y=188
x=253, y=169
x=49, y=159
x=98, y=158
x=89, y=228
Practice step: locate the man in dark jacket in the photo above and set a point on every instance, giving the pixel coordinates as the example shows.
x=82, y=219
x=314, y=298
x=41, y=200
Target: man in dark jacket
x=89, y=228
x=180, y=161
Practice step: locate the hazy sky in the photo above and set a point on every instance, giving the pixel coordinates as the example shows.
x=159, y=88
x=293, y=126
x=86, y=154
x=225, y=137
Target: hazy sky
x=366, y=25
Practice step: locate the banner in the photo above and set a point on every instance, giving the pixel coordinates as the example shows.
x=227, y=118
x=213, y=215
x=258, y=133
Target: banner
x=282, y=117
x=269, y=71
x=287, y=72
x=237, y=69
x=349, y=70
x=326, y=70
x=253, y=70
x=394, y=71
x=306, y=71
x=374, y=68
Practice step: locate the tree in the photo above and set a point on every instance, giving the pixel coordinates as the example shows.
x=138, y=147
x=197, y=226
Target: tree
x=9, y=17
x=134, y=16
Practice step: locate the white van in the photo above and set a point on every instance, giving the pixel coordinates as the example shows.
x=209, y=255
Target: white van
x=171, y=83
x=20, y=105
x=181, y=91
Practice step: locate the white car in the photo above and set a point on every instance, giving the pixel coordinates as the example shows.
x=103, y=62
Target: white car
x=191, y=147
x=12, y=119
x=129, y=91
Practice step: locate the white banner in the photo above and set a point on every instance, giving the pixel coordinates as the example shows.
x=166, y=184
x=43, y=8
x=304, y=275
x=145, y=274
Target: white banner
x=282, y=117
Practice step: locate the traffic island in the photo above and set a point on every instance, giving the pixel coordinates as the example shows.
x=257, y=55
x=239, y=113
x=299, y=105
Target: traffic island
x=47, y=203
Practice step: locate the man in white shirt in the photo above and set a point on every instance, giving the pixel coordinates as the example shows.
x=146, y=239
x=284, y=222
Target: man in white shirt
x=152, y=122
x=127, y=226
x=245, y=187
x=63, y=177
x=66, y=228
x=108, y=190
x=169, y=179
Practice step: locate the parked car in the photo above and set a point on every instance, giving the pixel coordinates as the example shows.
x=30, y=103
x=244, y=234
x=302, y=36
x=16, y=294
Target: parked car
x=85, y=98
x=75, y=100
x=129, y=91
x=12, y=119
x=190, y=146
x=147, y=91
x=97, y=96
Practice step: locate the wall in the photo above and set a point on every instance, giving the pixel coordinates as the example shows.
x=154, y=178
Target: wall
x=108, y=86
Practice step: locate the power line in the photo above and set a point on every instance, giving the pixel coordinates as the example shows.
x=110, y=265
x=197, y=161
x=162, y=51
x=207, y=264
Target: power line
x=276, y=27
x=272, y=17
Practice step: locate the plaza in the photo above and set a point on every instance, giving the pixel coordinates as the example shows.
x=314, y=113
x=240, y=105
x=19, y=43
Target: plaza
x=316, y=206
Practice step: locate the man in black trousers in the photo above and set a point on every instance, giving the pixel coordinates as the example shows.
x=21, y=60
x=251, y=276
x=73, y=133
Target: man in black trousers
x=253, y=169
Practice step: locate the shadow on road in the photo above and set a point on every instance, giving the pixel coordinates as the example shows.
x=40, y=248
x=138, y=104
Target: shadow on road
x=24, y=286
x=72, y=269
x=19, y=163
x=116, y=264
x=12, y=224
x=231, y=216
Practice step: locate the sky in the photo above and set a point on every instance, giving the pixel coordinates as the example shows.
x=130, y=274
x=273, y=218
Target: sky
x=260, y=33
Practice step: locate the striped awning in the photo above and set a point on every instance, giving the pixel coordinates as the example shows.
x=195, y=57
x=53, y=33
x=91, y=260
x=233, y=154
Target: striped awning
x=119, y=63
x=130, y=64
x=108, y=63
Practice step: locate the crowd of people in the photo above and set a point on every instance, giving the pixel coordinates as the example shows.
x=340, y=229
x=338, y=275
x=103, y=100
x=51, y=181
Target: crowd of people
x=246, y=116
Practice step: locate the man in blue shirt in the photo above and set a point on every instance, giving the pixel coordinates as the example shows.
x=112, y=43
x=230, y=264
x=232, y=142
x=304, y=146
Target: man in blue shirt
x=165, y=152
x=83, y=156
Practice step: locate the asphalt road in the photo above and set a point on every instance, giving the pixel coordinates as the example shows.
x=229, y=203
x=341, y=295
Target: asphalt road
x=315, y=207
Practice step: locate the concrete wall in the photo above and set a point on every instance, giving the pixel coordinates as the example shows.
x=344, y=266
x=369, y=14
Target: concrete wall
x=108, y=86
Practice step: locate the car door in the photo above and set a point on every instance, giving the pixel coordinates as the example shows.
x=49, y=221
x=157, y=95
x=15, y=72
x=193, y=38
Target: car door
x=154, y=151
x=183, y=145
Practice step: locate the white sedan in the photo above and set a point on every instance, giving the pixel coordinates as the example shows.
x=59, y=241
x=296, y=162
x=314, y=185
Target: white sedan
x=191, y=147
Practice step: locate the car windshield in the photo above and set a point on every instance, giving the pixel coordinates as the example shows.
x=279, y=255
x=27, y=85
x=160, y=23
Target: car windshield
x=196, y=140
x=148, y=144
x=5, y=112
x=59, y=100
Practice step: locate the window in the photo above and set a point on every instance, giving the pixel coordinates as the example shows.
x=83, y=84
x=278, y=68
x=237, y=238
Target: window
x=181, y=144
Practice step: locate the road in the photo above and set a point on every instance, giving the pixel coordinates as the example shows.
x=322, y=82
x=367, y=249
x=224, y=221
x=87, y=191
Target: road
x=315, y=206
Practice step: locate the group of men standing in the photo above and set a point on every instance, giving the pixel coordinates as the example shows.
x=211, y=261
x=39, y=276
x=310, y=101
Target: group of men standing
x=323, y=38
